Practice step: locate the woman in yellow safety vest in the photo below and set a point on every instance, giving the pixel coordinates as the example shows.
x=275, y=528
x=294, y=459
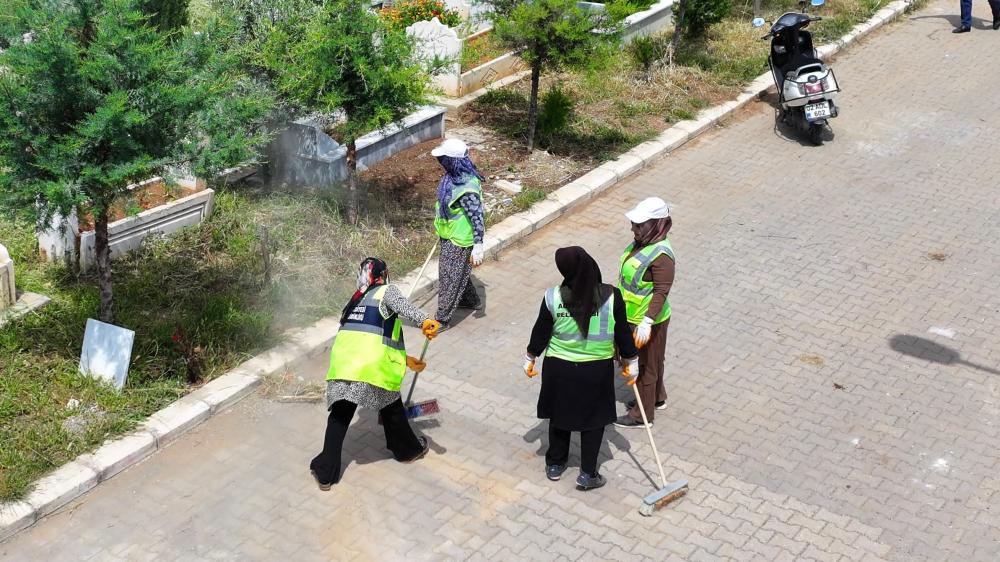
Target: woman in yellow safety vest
x=579, y=325
x=367, y=364
x=647, y=273
x=459, y=222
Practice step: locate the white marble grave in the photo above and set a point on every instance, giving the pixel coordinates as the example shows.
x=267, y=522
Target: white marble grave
x=435, y=39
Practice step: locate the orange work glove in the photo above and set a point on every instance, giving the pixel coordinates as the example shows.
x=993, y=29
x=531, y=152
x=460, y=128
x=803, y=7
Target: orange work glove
x=529, y=366
x=415, y=365
x=430, y=328
x=630, y=370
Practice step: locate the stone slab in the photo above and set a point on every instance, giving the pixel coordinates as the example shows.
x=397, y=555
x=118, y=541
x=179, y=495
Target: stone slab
x=26, y=304
x=649, y=151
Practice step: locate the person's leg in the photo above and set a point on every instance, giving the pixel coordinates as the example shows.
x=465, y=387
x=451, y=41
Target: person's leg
x=966, y=9
x=995, y=8
x=590, y=448
x=558, y=452
x=453, y=276
x=659, y=338
x=470, y=298
x=650, y=379
x=399, y=436
x=326, y=465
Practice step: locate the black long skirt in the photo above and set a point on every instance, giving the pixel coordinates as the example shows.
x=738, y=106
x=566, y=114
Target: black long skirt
x=577, y=396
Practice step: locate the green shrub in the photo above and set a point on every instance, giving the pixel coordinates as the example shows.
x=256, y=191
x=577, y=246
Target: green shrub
x=700, y=14
x=557, y=107
x=646, y=51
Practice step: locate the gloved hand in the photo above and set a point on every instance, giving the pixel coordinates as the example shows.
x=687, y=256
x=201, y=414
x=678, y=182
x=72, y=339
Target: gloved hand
x=415, y=365
x=630, y=370
x=478, y=253
x=529, y=366
x=642, y=331
x=430, y=328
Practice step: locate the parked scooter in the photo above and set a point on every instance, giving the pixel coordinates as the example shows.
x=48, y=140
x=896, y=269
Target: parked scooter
x=806, y=86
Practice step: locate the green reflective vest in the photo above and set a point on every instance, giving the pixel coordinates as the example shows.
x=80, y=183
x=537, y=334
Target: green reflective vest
x=568, y=343
x=636, y=292
x=369, y=346
x=457, y=227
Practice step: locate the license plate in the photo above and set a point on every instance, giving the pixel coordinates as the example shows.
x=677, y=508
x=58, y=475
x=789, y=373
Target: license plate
x=816, y=111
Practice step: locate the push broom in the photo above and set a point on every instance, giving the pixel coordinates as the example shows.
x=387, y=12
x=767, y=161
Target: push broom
x=669, y=492
x=426, y=407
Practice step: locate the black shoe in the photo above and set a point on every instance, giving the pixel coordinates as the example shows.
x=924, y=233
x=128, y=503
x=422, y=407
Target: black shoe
x=554, y=471
x=589, y=482
x=322, y=487
x=626, y=421
x=477, y=306
x=662, y=405
x=963, y=29
x=996, y=24
x=420, y=455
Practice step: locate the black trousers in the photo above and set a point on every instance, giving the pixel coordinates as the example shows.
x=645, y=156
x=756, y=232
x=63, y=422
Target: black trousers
x=399, y=438
x=590, y=447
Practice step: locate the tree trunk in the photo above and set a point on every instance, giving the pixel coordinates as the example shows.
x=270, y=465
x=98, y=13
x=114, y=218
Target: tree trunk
x=675, y=41
x=103, y=251
x=536, y=75
x=352, y=182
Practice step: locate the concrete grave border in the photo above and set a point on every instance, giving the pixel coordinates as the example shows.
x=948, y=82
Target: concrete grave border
x=77, y=477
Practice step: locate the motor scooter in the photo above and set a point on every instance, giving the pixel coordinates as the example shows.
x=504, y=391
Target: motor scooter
x=806, y=86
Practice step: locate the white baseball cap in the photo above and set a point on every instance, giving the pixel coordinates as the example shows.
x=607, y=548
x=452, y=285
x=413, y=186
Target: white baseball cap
x=648, y=209
x=454, y=148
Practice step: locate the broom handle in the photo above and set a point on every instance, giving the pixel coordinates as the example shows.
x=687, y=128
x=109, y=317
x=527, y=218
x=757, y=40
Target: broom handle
x=649, y=431
x=413, y=383
x=421, y=274
x=413, y=287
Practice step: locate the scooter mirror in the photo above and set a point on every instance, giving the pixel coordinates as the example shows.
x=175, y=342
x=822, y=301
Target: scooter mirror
x=759, y=22
x=817, y=2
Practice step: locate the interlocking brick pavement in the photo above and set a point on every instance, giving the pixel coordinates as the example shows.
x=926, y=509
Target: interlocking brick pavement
x=788, y=282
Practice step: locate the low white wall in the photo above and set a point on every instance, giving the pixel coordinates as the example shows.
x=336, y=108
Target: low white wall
x=127, y=234
x=8, y=296
x=306, y=157
x=489, y=72
x=655, y=19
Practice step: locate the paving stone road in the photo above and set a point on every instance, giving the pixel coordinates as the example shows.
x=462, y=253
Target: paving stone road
x=812, y=422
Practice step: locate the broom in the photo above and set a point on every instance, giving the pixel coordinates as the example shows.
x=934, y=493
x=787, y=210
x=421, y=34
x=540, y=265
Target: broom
x=669, y=492
x=426, y=407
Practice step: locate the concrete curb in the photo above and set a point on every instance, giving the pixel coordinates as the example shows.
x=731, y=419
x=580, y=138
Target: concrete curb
x=77, y=477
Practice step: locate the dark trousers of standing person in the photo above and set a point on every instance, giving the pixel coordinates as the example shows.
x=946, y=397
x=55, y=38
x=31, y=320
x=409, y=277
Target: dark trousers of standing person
x=650, y=383
x=590, y=448
x=454, y=285
x=399, y=438
x=966, y=6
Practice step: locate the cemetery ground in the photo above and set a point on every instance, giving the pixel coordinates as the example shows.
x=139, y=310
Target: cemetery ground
x=205, y=299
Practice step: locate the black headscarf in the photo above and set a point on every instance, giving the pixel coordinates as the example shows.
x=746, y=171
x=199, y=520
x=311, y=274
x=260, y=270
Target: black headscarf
x=371, y=273
x=582, y=290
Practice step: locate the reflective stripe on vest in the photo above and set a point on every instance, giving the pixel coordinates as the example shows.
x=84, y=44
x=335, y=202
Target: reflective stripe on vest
x=369, y=346
x=637, y=292
x=457, y=227
x=568, y=343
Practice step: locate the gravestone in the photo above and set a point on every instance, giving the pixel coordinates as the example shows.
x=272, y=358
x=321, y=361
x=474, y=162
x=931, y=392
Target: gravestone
x=8, y=296
x=436, y=40
x=107, y=352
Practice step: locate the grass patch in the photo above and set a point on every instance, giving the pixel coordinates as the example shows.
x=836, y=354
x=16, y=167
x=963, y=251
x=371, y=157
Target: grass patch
x=207, y=282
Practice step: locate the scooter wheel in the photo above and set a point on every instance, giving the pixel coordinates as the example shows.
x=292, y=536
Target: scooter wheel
x=816, y=134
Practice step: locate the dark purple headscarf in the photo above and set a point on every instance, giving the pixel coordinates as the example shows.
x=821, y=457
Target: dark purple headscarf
x=456, y=172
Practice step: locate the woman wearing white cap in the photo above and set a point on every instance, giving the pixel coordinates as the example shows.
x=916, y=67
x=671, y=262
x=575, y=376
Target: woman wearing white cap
x=458, y=220
x=647, y=272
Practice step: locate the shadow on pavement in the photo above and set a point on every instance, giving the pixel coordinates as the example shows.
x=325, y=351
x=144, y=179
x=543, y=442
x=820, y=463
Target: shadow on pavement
x=934, y=352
